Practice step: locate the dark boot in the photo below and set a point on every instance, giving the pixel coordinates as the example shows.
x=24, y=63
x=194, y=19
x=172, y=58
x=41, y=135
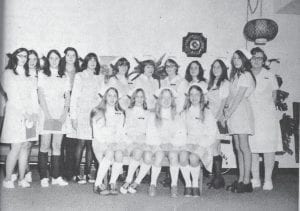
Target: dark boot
x=219, y=181
x=55, y=166
x=212, y=180
x=43, y=164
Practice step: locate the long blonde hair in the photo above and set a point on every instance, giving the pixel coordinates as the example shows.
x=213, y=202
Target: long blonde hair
x=158, y=107
x=102, y=107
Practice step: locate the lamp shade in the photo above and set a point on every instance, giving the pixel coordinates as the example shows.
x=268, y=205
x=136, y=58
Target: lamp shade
x=260, y=31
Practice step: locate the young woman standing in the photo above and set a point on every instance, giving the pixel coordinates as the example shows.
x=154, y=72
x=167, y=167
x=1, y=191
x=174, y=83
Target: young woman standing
x=54, y=98
x=218, y=91
x=85, y=96
x=20, y=114
x=240, y=118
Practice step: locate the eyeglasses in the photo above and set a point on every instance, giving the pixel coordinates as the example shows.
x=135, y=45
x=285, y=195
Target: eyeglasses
x=257, y=58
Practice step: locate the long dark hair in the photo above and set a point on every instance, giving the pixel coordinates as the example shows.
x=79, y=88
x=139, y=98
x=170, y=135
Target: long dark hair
x=188, y=102
x=188, y=75
x=86, y=61
x=13, y=61
x=63, y=62
x=46, y=69
x=246, y=66
x=212, y=76
x=38, y=65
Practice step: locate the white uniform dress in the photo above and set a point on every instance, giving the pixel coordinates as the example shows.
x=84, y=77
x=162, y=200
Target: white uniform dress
x=109, y=134
x=170, y=135
x=201, y=136
x=54, y=89
x=267, y=137
x=85, y=96
x=215, y=96
x=179, y=85
x=135, y=128
x=149, y=86
x=242, y=120
x=22, y=98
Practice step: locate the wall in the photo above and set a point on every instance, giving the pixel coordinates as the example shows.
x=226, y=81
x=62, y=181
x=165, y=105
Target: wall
x=148, y=27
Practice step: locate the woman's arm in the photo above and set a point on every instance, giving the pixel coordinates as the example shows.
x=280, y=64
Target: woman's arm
x=235, y=102
x=73, y=102
x=43, y=104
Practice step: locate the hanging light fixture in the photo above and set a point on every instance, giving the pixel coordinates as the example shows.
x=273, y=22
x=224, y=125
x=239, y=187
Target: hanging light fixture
x=260, y=30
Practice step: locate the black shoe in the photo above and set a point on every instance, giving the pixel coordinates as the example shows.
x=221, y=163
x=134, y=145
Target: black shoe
x=218, y=182
x=240, y=187
x=195, y=192
x=211, y=183
x=247, y=188
x=232, y=187
x=188, y=192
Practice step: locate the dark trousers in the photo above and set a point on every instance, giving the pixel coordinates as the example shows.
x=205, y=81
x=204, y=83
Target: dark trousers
x=68, y=149
x=89, y=156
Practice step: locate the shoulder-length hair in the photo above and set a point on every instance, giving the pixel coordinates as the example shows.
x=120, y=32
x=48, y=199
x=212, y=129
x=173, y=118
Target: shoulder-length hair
x=188, y=102
x=133, y=96
x=120, y=62
x=172, y=61
x=86, y=61
x=63, y=62
x=38, y=65
x=103, y=105
x=46, y=69
x=212, y=76
x=158, y=107
x=13, y=61
x=200, y=76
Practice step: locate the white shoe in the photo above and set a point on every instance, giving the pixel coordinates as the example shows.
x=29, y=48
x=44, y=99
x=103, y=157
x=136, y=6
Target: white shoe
x=59, y=181
x=45, y=183
x=14, y=177
x=23, y=183
x=8, y=184
x=256, y=183
x=268, y=185
x=28, y=176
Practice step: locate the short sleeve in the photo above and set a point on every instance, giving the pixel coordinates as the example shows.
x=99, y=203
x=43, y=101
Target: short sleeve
x=245, y=80
x=224, y=89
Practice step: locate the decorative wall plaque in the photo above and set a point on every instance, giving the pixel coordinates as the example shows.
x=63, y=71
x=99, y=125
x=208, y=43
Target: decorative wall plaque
x=194, y=44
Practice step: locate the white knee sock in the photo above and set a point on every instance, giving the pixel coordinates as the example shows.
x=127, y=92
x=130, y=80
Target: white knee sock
x=131, y=169
x=174, y=171
x=186, y=173
x=255, y=167
x=143, y=171
x=195, y=176
x=269, y=159
x=102, y=170
x=154, y=174
x=115, y=172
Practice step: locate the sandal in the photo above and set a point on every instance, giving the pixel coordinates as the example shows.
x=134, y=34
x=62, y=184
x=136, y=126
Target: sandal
x=132, y=188
x=124, y=188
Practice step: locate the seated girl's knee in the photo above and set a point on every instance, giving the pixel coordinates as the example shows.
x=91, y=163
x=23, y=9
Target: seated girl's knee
x=194, y=160
x=109, y=155
x=118, y=156
x=137, y=154
x=184, y=158
x=148, y=157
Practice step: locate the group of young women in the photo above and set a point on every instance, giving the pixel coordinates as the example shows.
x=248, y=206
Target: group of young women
x=148, y=120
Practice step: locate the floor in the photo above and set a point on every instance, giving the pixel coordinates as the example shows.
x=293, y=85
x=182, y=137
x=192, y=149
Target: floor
x=80, y=197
